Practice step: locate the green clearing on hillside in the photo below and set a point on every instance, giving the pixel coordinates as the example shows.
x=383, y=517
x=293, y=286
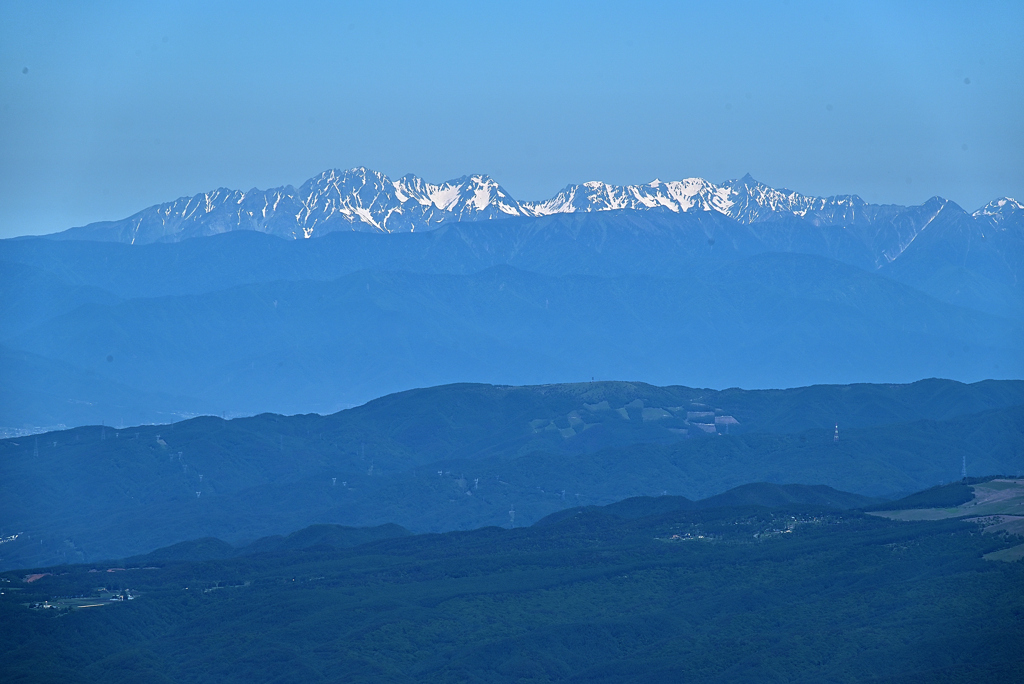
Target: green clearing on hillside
x=991, y=497
x=997, y=504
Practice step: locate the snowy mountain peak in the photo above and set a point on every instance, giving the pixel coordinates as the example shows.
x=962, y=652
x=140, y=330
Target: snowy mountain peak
x=470, y=197
x=367, y=200
x=678, y=196
x=999, y=210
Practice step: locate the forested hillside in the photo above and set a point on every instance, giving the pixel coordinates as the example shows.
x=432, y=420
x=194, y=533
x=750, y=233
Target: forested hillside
x=789, y=594
x=461, y=456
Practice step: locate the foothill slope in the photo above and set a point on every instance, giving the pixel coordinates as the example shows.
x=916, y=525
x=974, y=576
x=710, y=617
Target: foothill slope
x=613, y=594
x=463, y=456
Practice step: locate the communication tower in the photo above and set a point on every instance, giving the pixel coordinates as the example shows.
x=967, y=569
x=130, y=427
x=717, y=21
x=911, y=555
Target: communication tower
x=835, y=439
x=512, y=516
x=963, y=468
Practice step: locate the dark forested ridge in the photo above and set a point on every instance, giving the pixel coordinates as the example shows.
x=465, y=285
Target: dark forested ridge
x=211, y=548
x=461, y=456
x=761, y=494
x=939, y=496
x=633, y=592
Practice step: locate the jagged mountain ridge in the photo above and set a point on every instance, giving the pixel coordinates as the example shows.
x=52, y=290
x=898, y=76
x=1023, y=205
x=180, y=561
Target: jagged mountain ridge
x=1000, y=210
x=365, y=200
x=357, y=199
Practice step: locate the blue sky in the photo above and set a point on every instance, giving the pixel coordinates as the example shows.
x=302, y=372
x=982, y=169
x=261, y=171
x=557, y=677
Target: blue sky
x=127, y=105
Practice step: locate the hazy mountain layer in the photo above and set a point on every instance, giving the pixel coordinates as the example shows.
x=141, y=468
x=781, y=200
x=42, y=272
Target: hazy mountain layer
x=767, y=321
x=959, y=259
x=694, y=298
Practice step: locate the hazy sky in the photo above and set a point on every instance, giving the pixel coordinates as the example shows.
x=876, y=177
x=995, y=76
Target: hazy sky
x=126, y=105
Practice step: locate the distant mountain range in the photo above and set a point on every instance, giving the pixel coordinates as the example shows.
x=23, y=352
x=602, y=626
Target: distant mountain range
x=366, y=200
x=294, y=346
x=684, y=282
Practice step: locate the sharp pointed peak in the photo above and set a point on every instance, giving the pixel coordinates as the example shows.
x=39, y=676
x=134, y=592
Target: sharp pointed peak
x=473, y=178
x=1002, y=203
x=354, y=171
x=746, y=181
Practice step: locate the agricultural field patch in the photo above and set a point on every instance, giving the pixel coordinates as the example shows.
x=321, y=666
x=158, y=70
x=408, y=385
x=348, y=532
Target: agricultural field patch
x=999, y=497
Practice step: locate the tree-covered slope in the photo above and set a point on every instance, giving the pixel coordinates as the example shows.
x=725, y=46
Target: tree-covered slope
x=718, y=595
x=462, y=456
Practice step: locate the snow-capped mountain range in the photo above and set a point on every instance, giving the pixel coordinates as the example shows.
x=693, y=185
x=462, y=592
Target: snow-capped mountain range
x=365, y=200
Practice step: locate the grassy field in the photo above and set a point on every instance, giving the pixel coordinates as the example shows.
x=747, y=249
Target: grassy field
x=1014, y=553
x=998, y=506
x=993, y=498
